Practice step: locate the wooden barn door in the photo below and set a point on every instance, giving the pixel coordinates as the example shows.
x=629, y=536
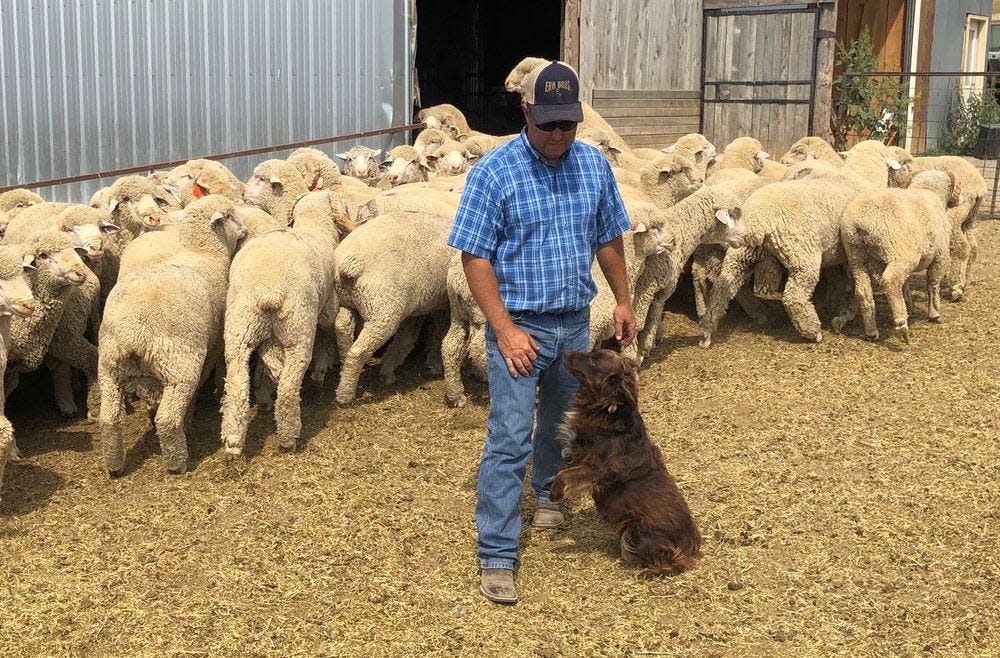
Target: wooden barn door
x=758, y=73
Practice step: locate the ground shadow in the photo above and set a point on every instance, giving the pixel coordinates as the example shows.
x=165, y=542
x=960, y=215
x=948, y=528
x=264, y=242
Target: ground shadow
x=27, y=487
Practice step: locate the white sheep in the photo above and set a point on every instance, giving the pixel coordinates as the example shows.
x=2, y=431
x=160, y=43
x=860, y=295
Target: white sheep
x=360, y=163
x=798, y=223
x=741, y=153
x=403, y=164
x=318, y=170
x=812, y=148
x=12, y=202
x=429, y=139
x=389, y=269
x=449, y=159
x=697, y=148
x=446, y=117
x=963, y=243
x=57, y=271
x=200, y=177
x=160, y=325
x=479, y=145
x=275, y=186
x=16, y=300
x=889, y=234
x=410, y=197
x=280, y=292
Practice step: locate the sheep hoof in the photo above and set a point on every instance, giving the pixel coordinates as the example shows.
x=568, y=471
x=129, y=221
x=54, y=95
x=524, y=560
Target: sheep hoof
x=317, y=377
x=818, y=337
x=288, y=445
x=903, y=330
x=936, y=319
x=177, y=470
x=837, y=324
x=872, y=337
x=13, y=454
x=117, y=473
x=69, y=412
x=388, y=378
x=456, y=402
x=706, y=340
x=956, y=293
x=344, y=399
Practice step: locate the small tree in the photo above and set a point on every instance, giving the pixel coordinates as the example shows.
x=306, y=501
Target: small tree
x=967, y=113
x=867, y=107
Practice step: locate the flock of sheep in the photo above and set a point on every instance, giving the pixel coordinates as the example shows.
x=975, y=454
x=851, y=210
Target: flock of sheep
x=161, y=281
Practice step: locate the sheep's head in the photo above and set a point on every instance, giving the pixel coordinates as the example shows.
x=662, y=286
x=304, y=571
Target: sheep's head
x=523, y=68
x=746, y=152
x=89, y=228
x=670, y=178
x=806, y=148
x=404, y=164
x=429, y=140
x=316, y=168
x=220, y=215
x=200, y=177
x=273, y=184
x=15, y=290
x=942, y=183
x=729, y=229
x=137, y=204
x=651, y=234
x=55, y=259
x=695, y=146
x=14, y=200
x=449, y=159
x=361, y=162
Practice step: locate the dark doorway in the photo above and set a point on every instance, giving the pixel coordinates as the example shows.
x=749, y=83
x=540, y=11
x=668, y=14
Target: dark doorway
x=466, y=49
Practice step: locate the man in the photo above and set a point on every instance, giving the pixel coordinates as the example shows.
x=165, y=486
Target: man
x=534, y=213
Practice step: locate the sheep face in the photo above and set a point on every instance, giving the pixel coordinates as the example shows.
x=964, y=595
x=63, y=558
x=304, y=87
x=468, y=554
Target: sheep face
x=360, y=162
x=14, y=200
x=729, y=229
x=91, y=239
x=137, y=205
x=402, y=170
x=429, y=140
x=15, y=291
x=56, y=261
x=449, y=161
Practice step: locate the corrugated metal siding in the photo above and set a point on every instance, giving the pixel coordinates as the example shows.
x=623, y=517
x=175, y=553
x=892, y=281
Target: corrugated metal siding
x=640, y=44
x=97, y=85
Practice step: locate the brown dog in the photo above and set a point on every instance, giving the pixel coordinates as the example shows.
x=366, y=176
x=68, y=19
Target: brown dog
x=607, y=451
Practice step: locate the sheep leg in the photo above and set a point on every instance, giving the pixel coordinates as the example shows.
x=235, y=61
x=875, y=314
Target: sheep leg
x=737, y=267
x=346, y=325
x=62, y=386
x=797, y=300
x=112, y=418
x=864, y=298
x=440, y=324
x=373, y=335
x=752, y=306
x=322, y=356
x=893, y=278
x=454, y=349
x=961, y=250
x=6, y=442
x=400, y=347
x=170, y=416
x=699, y=277
x=287, y=409
x=935, y=272
x=236, y=401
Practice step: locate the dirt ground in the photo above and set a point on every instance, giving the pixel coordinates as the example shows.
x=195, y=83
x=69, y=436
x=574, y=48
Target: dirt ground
x=848, y=492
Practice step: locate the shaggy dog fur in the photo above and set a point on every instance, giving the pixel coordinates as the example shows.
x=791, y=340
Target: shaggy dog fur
x=607, y=451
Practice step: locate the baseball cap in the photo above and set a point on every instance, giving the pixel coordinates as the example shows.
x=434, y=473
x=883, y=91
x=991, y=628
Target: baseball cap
x=552, y=92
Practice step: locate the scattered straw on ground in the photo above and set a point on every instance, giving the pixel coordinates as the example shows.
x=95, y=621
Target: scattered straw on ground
x=848, y=493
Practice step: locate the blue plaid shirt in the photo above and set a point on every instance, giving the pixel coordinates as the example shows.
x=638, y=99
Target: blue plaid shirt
x=539, y=225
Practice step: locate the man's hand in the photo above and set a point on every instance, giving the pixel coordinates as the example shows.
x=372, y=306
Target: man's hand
x=624, y=324
x=519, y=349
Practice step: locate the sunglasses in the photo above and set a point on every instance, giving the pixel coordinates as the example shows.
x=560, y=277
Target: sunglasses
x=549, y=126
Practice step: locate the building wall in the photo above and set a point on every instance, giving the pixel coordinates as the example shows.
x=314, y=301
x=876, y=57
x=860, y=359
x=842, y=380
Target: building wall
x=640, y=44
x=96, y=86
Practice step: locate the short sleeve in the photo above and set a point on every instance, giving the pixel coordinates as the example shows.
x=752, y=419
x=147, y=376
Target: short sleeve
x=612, y=218
x=477, y=222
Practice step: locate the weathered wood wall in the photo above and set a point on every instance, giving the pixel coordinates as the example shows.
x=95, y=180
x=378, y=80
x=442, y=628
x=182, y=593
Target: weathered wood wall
x=649, y=118
x=885, y=19
x=762, y=48
x=649, y=47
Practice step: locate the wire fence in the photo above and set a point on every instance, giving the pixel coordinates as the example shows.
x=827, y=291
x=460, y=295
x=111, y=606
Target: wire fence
x=934, y=113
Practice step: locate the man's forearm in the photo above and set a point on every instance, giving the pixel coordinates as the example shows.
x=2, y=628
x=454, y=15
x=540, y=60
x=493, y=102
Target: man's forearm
x=611, y=258
x=486, y=291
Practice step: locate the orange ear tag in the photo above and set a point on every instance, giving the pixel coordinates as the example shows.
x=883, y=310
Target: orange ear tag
x=197, y=191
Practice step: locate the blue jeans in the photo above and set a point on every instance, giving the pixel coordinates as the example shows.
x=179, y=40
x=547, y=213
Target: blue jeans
x=509, y=435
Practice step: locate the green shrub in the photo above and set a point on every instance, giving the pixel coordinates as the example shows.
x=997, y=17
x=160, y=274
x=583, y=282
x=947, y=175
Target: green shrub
x=867, y=107
x=964, y=118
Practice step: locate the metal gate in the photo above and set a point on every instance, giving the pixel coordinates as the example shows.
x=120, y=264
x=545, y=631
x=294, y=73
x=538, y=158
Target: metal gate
x=758, y=74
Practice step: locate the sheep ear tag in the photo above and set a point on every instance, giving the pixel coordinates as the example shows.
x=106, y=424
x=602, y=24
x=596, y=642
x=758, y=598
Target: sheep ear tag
x=28, y=262
x=217, y=216
x=319, y=183
x=197, y=191
x=639, y=228
x=894, y=164
x=724, y=217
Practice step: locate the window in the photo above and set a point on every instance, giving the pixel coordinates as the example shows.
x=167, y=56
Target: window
x=974, y=53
